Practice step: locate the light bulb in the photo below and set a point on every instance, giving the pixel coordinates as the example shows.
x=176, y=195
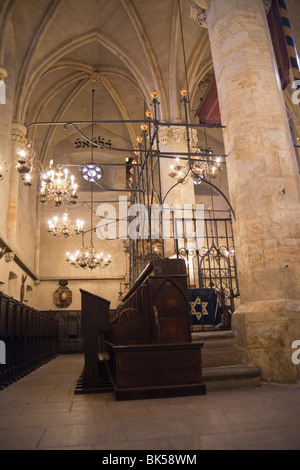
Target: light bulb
x=21, y=153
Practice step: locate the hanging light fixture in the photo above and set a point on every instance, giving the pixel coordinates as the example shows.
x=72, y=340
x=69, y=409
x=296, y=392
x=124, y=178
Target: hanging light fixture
x=25, y=157
x=207, y=169
x=64, y=226
x=57, y=187
x=87, y=257
x=25, y=161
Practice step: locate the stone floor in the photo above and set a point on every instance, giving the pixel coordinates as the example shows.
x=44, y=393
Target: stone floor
x=42, y=412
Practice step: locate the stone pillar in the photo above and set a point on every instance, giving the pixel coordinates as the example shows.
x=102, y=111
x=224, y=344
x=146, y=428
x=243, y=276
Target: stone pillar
x=263, y=185
x=18, y=135
x=5, y=148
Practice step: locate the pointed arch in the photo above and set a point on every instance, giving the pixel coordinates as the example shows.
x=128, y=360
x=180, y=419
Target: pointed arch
x=66, y=48
x=201, y=73
x=50, y=94
x=40, y=34
x=174, y=104
x=195, y=60
x=149, y=53
x=63, y=108
x=72, y=96
x=5, y=16
x=117, y=99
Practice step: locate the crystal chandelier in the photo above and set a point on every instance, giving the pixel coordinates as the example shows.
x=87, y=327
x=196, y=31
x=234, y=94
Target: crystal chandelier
x=64, y=226
x=58, y=187
x=87, y=257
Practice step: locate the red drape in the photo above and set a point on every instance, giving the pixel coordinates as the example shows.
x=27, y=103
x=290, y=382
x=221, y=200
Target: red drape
x=209, y=110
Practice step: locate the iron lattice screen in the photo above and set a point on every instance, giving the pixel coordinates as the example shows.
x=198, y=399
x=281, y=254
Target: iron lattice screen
x=210, y=261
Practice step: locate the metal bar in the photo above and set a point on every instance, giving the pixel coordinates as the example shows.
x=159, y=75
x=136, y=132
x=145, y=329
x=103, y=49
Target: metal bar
x=155, y=122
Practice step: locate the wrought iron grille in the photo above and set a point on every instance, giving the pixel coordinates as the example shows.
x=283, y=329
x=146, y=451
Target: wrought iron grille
x=212, y=274
x=211, y=265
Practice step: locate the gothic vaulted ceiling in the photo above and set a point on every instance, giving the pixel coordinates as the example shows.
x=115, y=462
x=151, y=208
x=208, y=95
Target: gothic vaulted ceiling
x=123, y=49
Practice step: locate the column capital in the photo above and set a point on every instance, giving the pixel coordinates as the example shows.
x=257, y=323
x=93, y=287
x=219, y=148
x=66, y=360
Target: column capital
x=177, y=135
x=199, y=10
x=18, y=132
x=198, y=14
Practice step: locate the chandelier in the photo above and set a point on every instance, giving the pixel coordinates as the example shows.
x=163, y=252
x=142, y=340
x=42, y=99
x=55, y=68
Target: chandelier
x=207, y=170
x=87, y=257
x=58, y=187
x=198, y=170
x=64, y=226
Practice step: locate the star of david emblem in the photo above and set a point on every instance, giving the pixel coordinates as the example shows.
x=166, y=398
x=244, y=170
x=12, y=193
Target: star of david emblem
x=198, y=312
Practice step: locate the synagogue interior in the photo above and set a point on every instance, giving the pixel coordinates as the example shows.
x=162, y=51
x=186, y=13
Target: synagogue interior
x=150, y=211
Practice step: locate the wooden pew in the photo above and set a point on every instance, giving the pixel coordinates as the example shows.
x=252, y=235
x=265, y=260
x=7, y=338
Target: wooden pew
x=30, y=339
x=149, y=344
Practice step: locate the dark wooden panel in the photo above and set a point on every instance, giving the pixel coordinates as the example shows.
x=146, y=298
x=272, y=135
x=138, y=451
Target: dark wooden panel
x=148, y=371
x=94, y=319
x=147, y=342
x=3, y=315
x=11, y=318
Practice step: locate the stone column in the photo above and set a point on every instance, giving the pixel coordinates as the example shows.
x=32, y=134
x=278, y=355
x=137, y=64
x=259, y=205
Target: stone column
x=5, y=148
x=18, y=135
x=263, y=184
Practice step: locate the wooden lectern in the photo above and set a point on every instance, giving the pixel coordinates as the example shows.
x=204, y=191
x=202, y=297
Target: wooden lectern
x=147, y=341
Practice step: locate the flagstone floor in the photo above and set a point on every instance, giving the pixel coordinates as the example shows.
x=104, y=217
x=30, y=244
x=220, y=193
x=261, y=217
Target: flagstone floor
x=41, y=412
